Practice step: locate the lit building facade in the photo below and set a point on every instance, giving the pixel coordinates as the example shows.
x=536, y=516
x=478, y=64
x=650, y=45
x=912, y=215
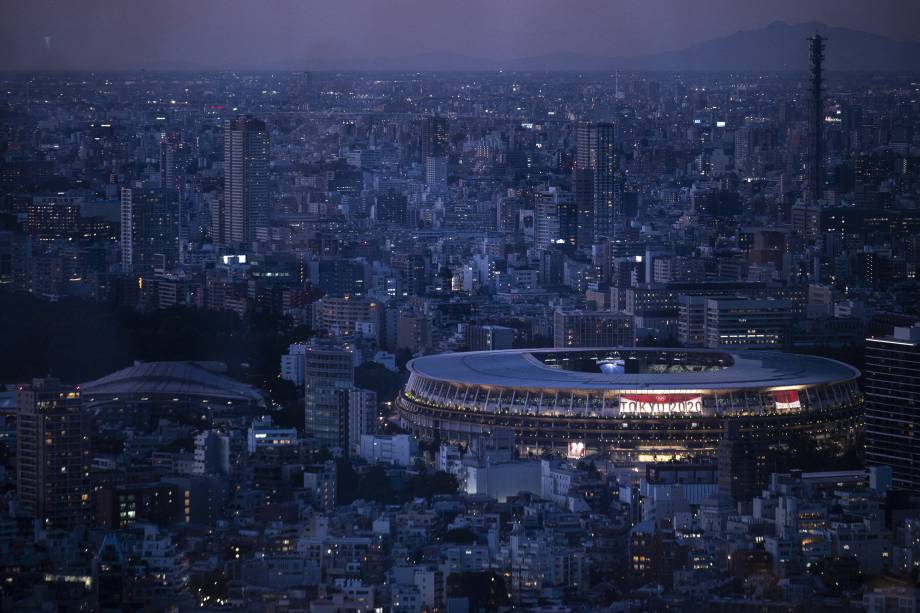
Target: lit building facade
x=329, y=375
x=149, y=229
x=661, y=404
x=747, y=324
x=53, y=454
x=593, y=329
x=892, y=375
x=245, y=204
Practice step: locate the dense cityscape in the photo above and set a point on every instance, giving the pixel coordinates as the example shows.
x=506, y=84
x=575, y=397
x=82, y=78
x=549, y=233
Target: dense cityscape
x=457, y=341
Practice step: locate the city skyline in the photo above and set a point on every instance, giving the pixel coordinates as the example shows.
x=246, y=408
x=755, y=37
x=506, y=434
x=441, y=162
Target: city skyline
x=628, y=323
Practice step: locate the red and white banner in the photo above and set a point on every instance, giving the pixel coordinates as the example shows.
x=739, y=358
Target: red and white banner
x=787, y=400
x=658, y=404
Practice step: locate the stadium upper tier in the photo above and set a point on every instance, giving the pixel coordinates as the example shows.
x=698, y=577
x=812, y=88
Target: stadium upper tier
x=659, y=369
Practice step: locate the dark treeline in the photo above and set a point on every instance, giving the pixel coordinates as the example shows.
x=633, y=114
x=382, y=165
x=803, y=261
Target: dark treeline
x=376, y=485
x=78, y=341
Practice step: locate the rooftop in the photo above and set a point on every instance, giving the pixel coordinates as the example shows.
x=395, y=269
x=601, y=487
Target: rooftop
x=176, y=378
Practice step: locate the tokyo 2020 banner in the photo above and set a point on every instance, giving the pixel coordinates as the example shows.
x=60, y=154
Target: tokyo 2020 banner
x=660, y=404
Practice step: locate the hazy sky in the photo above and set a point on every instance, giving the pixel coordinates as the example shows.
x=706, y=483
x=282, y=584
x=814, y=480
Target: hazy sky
x=236, y=33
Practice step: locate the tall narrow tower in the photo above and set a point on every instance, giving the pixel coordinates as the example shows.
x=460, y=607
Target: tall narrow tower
x=816, y=163
x=246, y=186
x=595, y=164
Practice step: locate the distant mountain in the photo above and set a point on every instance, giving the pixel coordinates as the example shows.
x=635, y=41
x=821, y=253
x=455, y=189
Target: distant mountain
x=776, y=47
x=781, y=46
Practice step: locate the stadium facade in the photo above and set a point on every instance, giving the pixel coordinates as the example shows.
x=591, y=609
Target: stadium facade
x=644, y=404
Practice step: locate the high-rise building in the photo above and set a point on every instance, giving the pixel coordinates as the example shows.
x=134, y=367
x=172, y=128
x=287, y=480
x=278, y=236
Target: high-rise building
x=433, y=147
x=436, y=173
x=567, y=213
x=169, y=160
x=742, y=140
x=549, y=209
x=362, y=417
x=593, y=329
x=583, y=186
x=245, y=204
x=329, y=374
x=52, y=454
x=434, y=138
x=595, y=183
x=743, y=464
x=892, y=375
x=149, y=229
x=606, y=199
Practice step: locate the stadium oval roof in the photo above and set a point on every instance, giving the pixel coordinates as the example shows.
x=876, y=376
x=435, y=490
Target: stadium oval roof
x=519, y=368
x=172, y=378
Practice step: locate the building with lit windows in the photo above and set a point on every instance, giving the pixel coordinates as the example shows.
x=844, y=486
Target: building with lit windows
x=436, y=174
x=893, y=405
x=52, y=454
x=593, y=329
x=434, y=137
x=53, y=217
x=263, y=433
x=149, y=229
x=245, y=205
x=344, y=315
x=594, y=181
x=637, y=403
x=744, y=323
x=329, y=376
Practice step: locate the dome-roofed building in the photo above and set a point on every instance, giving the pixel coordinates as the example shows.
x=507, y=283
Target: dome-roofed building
x=147, y=391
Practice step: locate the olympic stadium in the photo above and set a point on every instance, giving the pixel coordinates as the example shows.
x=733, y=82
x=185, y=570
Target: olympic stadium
x=642, y=404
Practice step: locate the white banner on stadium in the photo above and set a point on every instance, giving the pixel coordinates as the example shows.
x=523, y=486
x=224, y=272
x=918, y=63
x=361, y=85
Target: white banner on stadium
x=660, y=404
